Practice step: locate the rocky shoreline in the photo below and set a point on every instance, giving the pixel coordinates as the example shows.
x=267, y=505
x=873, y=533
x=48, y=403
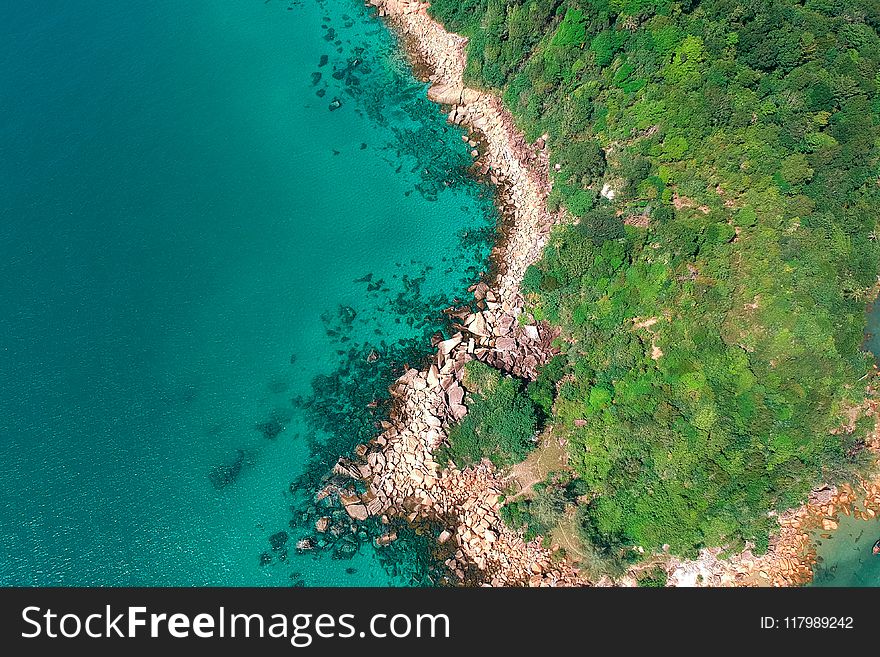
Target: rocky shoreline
x=395, y=475
x=397, y=469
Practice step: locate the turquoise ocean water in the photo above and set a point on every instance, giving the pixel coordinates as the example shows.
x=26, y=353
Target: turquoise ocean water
x=224, y=228
x=845, y=555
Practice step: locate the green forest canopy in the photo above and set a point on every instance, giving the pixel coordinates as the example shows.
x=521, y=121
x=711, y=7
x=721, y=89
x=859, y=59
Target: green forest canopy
x=744, y=133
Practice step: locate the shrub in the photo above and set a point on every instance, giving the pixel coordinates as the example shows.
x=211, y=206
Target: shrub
x=655, y=578
x=501, y=420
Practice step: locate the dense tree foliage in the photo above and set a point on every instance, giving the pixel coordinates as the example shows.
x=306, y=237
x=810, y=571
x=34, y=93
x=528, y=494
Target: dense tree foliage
x=713, y=311
x=501, y=420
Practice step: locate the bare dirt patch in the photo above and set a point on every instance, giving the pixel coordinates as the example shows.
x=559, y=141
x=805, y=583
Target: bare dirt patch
x=550, y=456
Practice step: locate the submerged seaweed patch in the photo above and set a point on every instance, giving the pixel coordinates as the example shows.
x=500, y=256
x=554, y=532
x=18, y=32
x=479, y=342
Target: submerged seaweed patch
x=398, y=317
x=375, y=88
x=345, y=406
x=272, y=427
x=225, y=474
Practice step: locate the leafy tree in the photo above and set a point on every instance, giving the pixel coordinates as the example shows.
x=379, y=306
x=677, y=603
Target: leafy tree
x=501, y=420
x=582, y=163
x=572, y=30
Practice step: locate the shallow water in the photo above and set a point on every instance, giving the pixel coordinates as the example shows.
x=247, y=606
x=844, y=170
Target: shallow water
x=846, y=558
x=225, y=227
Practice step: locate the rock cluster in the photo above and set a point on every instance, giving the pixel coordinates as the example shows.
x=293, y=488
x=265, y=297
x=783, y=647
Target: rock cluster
x=788, y=562
x=403, y=478
x=520, y=169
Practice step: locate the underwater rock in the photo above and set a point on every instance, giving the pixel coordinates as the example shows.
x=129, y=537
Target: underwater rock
x=278, y=541
x=386, y=539
x=335, y=104
x=272, y=427
x=346, y=548
x=265, y=559
x=347, y=314
x=223, y=475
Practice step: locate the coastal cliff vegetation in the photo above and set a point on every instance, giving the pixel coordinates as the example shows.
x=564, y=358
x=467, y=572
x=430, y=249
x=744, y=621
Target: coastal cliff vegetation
x=719, y=162
x=501, y=420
